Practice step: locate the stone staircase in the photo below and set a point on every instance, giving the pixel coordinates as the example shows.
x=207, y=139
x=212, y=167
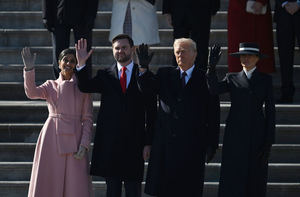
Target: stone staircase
x=21, y=119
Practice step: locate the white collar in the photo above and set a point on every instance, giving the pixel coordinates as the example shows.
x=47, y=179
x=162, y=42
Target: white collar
x=250, y=72
x=129, y=67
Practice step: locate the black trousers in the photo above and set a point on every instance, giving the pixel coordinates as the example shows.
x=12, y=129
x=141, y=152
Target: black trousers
x=287, y=29
x=198, y=30
x=114, y=188
x=61, y=41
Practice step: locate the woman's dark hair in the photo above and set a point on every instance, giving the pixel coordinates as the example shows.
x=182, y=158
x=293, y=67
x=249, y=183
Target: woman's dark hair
x=123, y=36
x=66, y=52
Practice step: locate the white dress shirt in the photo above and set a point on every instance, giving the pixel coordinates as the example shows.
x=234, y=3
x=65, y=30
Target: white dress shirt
x=188, y=73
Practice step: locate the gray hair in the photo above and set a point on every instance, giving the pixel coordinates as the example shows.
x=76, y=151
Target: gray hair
x=186, y=40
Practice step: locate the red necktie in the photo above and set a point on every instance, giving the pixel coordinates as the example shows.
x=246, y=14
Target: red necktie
x=123, y=79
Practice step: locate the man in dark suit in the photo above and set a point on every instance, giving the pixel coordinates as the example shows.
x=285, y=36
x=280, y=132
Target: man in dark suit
x=60, y=16
x=250, y=127
x=187, y=126
x=124, y=124
x=191, y=19
x=287, y=18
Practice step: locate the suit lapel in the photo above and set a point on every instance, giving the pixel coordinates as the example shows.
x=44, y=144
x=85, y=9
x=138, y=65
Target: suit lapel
x=175, y=80
x=243, y=79
x=115, y=76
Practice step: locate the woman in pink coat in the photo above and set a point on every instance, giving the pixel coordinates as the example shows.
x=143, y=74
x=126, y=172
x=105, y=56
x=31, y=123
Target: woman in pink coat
x=60, y=164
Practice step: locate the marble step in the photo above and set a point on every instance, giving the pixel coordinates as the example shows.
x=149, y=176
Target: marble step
x=286, y=173
x=23, y=152
x=28, y=133
x=33, y=20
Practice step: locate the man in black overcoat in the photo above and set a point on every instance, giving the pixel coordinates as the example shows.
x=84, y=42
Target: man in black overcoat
x=187, y=126
x=124, y=125
x=287, y=18
x=192, y=19
x=60, y=16
x=250, y=125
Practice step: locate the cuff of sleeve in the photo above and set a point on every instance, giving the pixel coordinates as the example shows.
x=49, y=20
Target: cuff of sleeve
x=79, y=68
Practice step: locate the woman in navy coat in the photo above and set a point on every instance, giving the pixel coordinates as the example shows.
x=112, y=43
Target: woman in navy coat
x=249, y=132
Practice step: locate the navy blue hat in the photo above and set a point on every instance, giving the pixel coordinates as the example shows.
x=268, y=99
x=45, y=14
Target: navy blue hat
x=247, y=48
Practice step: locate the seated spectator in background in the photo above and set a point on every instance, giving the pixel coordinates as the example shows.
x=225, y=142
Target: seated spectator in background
x=60, y=164
x=60, y=16
x=191, y=19
x=287, y=18
x=253, y=26
x=136, y=18
x=250, y=127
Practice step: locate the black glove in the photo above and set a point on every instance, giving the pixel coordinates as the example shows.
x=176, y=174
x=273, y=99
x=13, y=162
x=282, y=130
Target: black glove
x=48, y=25
x=213, y=57
x=210, y=153
x=143, y=56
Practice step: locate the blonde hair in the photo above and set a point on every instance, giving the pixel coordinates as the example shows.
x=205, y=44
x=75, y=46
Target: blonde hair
x=186, y=40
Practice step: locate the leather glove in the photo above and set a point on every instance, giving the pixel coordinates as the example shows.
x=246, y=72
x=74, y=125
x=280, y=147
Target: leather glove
x=213, y=57
x=143, y=56
x=28, y=58
x=48, y=25
x=210, y=153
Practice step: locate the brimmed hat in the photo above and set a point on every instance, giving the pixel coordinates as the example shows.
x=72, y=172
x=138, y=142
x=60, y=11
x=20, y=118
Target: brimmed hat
x=248, y=49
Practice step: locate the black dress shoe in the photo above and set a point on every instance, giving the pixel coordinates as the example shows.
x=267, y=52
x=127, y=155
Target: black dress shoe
x=285, y=100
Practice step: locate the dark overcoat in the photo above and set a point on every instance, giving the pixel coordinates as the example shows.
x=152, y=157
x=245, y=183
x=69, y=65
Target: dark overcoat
x=249, y=126
x=70, y=12
x=187, y=123
x=122, y=129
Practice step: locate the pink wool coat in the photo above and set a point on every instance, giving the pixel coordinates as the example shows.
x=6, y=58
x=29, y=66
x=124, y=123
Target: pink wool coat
x=55, y=172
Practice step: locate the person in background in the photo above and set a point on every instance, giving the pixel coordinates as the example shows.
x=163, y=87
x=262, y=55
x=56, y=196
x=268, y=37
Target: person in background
x=60, y=16
x=60, y=164
x=192, y=19
x=250, y=26
x=136, y=18
x=287, y=18
x=250, y=125
x=125, y=119
x=187, y=125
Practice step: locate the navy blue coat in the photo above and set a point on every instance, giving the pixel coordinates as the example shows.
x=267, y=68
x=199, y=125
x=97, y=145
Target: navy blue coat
x=249, y=127
x=187, y=123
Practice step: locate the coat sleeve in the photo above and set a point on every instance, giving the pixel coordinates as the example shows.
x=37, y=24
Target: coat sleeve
x=216, y=87
x=87, y=121
x=87, y=84
x=48, y=9
x=91, y=12
x=215, y=6
x=146, y=85
x=270, y=113
x=31, y=90
x=167, y=7
x=213, y=123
